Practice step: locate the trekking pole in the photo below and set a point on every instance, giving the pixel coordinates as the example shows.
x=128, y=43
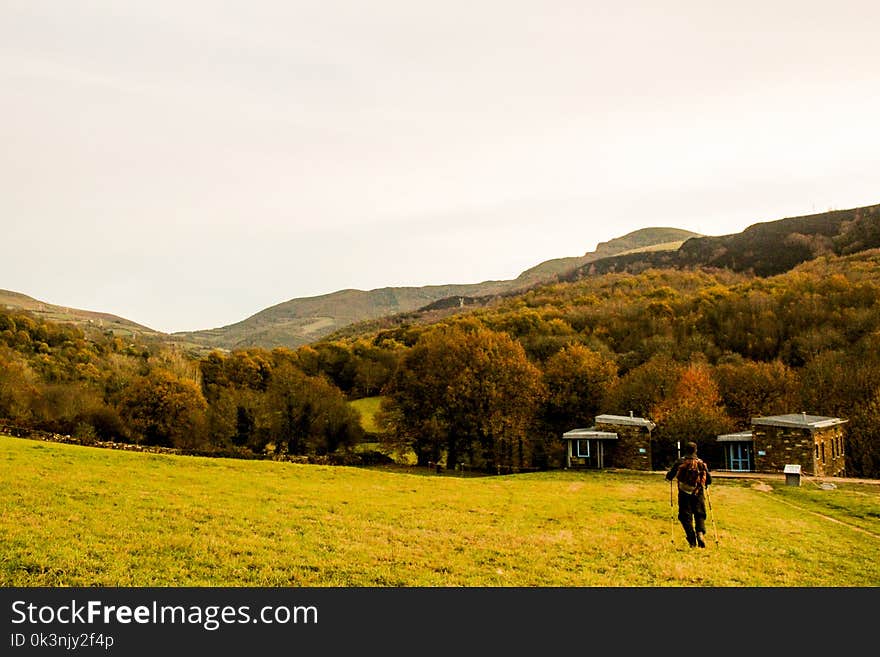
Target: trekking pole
x=712, y=513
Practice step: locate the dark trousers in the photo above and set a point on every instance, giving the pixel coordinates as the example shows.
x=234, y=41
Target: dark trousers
x=692, y=515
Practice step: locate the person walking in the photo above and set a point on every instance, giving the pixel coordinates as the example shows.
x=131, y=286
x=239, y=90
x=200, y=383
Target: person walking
x=692, y=476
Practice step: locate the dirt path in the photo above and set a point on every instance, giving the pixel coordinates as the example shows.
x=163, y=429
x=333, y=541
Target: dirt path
x=766, y=488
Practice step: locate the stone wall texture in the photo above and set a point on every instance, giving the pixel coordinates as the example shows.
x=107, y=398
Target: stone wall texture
x=625, y=452
x=819, y=452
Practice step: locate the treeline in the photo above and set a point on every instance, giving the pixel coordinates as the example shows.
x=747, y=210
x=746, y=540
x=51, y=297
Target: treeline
x=100, y=388
x=699, y=352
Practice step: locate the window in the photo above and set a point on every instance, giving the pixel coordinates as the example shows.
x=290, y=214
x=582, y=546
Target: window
x=582, y=449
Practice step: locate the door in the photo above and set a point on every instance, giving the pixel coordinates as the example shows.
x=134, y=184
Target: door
x=739, y=457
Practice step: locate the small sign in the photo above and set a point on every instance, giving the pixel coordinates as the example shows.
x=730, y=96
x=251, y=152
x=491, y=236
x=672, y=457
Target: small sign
x=642, y=450
x=761, y=452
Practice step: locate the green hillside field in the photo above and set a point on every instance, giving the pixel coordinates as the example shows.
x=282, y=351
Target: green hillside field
x=82, y=516
x=368, y=407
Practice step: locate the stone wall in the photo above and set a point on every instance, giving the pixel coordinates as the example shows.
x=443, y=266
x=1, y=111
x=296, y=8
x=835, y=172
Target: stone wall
x=830, y=461
x=631, y=450
x=776, y=447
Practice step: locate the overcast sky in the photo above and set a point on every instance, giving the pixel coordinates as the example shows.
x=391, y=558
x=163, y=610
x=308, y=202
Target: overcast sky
x=185, y=164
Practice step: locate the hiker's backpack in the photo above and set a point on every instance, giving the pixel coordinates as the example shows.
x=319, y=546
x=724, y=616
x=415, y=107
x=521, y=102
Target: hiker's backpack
x=691, y=475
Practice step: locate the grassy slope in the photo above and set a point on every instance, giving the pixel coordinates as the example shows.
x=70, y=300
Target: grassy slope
x=81, y=516
x=367, y=407
x=303, y=320
x=639, y=241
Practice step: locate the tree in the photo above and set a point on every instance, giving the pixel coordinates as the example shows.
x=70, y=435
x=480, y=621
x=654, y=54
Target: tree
x=18, y=387
x=374, y=367
x=863, y=438
x=749, y=389
x=162, y=409
x=691, y=412
x=220, y=414
x=577, y=380
x=308, y=414
x=469, y=391
x=846, y=385
x=642, y=388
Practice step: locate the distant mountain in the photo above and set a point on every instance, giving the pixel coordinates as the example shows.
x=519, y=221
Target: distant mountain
x=304, y=320
x=86, y=319
x=639, y=241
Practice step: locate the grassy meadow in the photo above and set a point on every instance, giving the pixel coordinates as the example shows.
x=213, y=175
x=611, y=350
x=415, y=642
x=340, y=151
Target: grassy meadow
x=80, y=516
x=368, y=407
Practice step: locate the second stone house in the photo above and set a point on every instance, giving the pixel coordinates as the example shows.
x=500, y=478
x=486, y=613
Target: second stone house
x=816, y=443
x=614, y=441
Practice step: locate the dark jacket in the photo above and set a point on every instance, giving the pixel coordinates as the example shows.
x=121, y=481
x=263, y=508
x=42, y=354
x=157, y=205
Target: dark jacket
x=674, y=469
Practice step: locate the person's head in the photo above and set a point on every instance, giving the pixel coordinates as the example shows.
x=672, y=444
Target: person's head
x=690, y=449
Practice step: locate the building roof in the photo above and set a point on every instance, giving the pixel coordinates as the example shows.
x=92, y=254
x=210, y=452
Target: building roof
x=589, y=433
x=798, y=420
x=738, y=437
x=625, y=420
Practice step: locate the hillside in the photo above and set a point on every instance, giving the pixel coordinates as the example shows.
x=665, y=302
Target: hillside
x=304, y=320
x=85, y=319
x=763, y=249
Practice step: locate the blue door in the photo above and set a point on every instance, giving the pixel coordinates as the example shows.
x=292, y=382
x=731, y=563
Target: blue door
x=739, y=457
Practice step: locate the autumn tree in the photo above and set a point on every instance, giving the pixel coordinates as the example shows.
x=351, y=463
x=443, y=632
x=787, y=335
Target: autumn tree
x=749, y=389
x=577, y=380
x=162, y=409
x=692, y=411
x=308, y=414
x=863, y=437
x=468, y=391
x=643, y=388
x=374, y=366
x=846, y=385
x=18, y=387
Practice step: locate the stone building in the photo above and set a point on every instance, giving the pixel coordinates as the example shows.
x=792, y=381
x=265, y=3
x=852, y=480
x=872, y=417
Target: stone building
x=814, y=442
x=614, y=441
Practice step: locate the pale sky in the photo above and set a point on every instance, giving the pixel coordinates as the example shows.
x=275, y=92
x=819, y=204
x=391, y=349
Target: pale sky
x=185, y=164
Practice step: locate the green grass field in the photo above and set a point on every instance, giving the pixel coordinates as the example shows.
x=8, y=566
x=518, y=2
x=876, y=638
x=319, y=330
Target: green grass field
x=80, y=516
x=367, y=407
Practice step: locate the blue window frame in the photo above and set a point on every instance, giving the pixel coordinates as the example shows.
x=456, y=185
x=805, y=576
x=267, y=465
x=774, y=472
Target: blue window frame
x=582, y=449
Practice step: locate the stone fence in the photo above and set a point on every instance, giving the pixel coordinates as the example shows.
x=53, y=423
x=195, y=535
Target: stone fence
x=343, y=458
